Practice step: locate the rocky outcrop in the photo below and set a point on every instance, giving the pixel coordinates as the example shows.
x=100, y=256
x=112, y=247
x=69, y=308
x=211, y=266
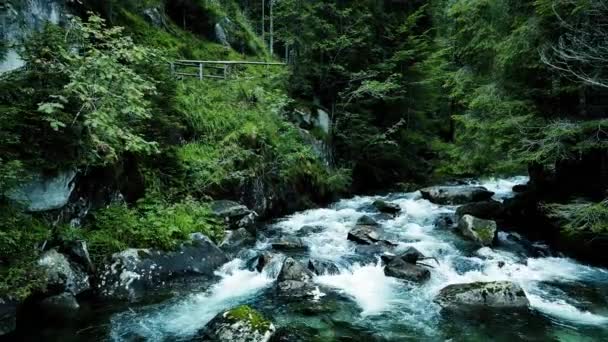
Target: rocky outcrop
x=322, y=267
x=234, y=214
x=62, y=304
x=240, y=324
x=63, y=275
x=387, y=207
x=259, y=262
x=488, y=210
x=456, y=194
x=500, y=294
x=132, y=273
x=398, y=268
x=294, y=280
x=43, y=193
x=481, y=231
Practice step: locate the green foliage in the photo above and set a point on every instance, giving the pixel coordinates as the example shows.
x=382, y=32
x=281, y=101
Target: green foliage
x=111, y=96
x=152, y=223
x=20, y=238
x=581, y=218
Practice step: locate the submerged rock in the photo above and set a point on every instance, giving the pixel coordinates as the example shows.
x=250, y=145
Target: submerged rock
x=63, y=275
x=478, y=230
x=240, y=324
x=234, y=214
x=309, y=230
x=489, y=210
x=387, y=207
x=133, y=272
x=456, y=194
x=444, y=221
x=8, y=316
x=321, y=267
x=366, y=221
x=397, y=268
x=499, y=294
x=410, y=255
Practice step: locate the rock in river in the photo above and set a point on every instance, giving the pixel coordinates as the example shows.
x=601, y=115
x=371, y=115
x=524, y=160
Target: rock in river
x=456, y=194
x=478, y=230
x=133, y=272
x=294, y=280
x=387, y=207
x=397, y=268
x=499, y=294
x=240, y=324
x=234, y=214
x=63, y=275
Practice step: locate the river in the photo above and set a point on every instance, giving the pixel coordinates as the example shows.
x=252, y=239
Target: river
x=568, y=300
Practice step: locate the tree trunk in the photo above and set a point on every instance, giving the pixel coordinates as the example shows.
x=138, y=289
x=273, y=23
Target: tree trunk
x=271, y=30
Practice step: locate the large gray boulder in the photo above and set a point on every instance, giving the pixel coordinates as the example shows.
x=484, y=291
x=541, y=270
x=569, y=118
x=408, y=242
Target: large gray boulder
x=499, y=294
x=398, y=268
x=488, y=210
x=365, y=232
x=63, y=275
x=234, y=214
x=240, y=324
x=43, y=193
x=456, y=194
x=294, y=280
x=237, y=240
x=132, y=273
x=8, y=316
x=481, y=231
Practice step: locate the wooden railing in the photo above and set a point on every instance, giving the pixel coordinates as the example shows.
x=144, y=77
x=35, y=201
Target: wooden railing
x=210, y=69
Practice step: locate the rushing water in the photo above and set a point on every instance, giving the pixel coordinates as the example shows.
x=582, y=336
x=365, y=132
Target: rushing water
x=569, y=300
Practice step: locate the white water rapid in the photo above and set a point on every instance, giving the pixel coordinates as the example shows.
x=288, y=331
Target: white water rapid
x=563, y=293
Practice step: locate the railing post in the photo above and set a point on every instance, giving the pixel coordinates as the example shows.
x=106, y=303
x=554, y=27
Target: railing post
x=200, y=71
x=172, y=69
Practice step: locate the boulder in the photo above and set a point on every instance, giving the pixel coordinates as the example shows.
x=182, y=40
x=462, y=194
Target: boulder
x=295, y=280
x=397, y=268
x=387, y=207
x=481, y=231
x=322, y=267
x=410, y=255
x=499, y=294
x=289, y=244
x=240, y=324
x=489, y=210
x=456, y=194
x=259, y=262
x=8, y=316
x=234, y=214
x=367, y=221
x=130, y=274
x=43, y=193
x=63, y=275
x=236, y=240
x=365, y=232
x=61, y=304
x=79, y=251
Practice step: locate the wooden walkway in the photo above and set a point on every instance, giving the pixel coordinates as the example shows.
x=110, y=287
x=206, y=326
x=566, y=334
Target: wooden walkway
x=210, y=69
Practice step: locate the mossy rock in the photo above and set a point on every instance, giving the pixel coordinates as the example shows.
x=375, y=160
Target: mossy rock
x=240, y=324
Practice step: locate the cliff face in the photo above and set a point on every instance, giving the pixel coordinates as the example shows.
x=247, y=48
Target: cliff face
x=18, y=19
